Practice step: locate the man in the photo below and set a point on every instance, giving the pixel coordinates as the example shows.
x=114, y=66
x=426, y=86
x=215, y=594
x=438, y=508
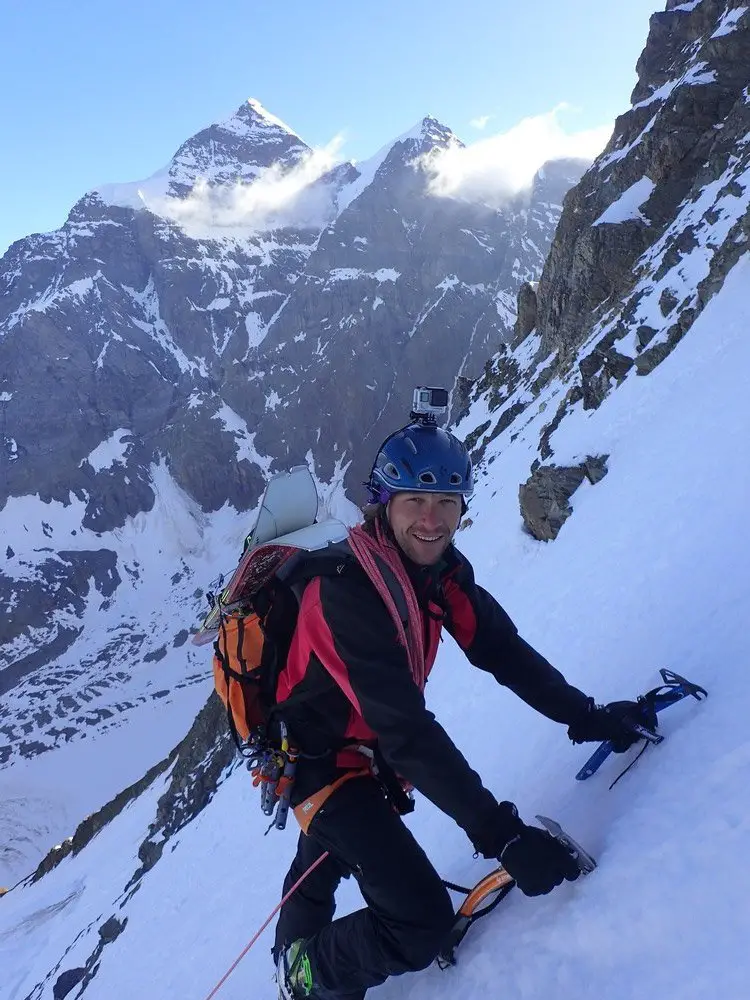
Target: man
x=350, y=701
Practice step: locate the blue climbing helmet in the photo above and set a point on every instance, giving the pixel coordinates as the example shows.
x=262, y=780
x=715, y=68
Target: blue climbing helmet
x=420, y=458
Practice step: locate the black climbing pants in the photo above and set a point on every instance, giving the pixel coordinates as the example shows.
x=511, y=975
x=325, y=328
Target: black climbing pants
x=408, y=913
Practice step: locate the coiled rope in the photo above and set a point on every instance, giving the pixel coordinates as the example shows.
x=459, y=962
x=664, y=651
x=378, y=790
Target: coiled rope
x=369, y=550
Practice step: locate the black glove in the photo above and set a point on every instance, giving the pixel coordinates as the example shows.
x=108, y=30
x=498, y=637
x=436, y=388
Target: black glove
x=531, y=856
x=538, y=862
x=613, y=722
x=498, y=826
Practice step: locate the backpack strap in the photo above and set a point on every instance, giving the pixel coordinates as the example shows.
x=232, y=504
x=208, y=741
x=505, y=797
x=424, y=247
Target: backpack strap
x=230, y=673
x=394, y=589
x=305, y=566
x=333, y=561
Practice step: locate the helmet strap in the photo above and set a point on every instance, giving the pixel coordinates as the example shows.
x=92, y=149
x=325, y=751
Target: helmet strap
x=377, y=492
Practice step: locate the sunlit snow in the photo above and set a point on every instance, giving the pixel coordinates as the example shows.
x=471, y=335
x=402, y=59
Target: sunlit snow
x=244, y=439
x=111, y=452
x=728, y=22
x=627, y=206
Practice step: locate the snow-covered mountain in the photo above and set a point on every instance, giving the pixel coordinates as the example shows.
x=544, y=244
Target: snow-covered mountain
x=124, y=683
x=245, y=309
x=185, y=317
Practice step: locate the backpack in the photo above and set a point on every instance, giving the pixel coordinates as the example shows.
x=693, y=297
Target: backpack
x=253, y=640
x=252, y=617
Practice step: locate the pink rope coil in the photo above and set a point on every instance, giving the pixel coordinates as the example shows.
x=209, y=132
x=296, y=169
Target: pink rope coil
x=368, y=550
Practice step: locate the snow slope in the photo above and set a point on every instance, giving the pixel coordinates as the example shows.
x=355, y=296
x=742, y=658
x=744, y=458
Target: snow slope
x=650, y=571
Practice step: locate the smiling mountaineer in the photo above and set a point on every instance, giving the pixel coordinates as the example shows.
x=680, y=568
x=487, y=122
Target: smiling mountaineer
x=352, y=697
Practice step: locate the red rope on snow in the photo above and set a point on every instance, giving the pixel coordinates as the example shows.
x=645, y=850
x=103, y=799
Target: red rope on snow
x=260, y=930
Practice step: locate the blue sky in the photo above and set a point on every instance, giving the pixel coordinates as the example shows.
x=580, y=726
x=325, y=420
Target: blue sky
x=94, y=92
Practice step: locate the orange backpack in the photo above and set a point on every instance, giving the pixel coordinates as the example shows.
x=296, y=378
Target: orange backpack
x=251, y=648
x=238, y=654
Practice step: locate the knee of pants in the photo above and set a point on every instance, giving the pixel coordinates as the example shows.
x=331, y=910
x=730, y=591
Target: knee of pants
x=420, y=944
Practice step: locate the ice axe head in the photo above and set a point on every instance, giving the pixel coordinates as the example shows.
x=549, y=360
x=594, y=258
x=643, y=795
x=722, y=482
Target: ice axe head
x=582, y=858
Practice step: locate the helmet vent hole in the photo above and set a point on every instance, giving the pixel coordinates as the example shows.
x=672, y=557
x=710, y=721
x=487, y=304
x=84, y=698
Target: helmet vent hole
x=455, y=479
x=391, y=471
x=411, y=445
x=428, y=478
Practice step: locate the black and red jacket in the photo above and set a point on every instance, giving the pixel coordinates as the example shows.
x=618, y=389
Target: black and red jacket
x=348, y=681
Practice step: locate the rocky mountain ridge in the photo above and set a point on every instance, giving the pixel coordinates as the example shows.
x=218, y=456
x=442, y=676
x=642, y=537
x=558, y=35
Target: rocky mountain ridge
x=645, y=240
x=189, y=347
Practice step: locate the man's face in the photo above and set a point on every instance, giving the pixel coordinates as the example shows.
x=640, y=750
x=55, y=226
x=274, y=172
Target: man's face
x=424, y=523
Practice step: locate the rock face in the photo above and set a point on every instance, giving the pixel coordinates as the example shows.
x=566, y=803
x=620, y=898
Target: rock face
x=425, y=300
x=66, y=982
x=645, y=239
x=544, y=498
x=527, y=310
x=651, y=206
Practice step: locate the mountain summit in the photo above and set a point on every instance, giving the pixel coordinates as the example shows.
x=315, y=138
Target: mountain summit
x=236, y=149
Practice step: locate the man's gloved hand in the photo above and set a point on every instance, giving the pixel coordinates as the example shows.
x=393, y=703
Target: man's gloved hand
x=611, y=722
x=538, y=862
x=531, y=856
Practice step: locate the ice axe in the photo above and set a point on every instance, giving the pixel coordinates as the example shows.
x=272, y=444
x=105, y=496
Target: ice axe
x=495, y=886
x=582, y=858
x=674, y=688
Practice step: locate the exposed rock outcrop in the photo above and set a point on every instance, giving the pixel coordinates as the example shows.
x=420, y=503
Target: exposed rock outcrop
x=545, y=496
x=527, y=311
x=649, y=204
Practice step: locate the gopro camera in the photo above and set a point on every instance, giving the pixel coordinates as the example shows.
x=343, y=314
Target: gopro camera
x=429, y=403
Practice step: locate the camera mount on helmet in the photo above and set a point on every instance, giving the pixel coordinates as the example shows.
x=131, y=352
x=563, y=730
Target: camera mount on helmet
x=429, y=403
x=422, y=457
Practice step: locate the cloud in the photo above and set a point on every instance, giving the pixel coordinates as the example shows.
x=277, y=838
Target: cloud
x=481, y=121
x=495, y=168
x=277, y=197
